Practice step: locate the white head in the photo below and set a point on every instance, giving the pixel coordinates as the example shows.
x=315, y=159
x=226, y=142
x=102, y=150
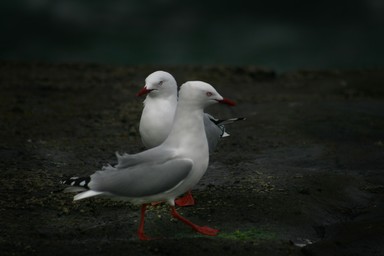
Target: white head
x=159, y=84
x=202, y=94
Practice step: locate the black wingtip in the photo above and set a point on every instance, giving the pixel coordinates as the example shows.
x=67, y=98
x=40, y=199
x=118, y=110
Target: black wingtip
x=227, y=121
x=76, y=181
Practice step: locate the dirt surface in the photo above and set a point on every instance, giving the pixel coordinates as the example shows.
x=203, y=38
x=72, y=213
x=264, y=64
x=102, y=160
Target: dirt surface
x=303, y=175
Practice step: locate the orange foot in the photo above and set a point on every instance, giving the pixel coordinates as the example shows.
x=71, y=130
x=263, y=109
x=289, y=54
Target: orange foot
x=186, y=200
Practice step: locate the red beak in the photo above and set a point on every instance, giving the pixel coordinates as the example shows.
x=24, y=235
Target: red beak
x=143, y=91
x=227, y=101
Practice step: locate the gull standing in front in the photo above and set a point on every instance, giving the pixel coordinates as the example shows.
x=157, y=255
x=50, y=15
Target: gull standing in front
x=164, y=172
x=158, y=113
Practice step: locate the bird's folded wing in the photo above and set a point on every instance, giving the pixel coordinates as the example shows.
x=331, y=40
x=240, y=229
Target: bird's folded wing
x=215, y=129
x=142, y=180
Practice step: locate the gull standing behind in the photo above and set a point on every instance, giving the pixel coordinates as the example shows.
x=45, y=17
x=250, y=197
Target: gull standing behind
x=158, y=113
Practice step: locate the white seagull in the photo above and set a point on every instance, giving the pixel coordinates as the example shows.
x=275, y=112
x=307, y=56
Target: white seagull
x=158, y=113
x=164, y=172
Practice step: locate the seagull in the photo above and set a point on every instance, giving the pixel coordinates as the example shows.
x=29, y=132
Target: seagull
x=164, y=172
x=158, y=113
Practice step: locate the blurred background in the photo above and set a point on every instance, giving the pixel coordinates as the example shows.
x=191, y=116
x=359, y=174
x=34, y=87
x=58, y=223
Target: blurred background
x=282, y=35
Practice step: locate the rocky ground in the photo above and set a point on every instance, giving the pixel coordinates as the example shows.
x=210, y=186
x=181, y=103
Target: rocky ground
x=303, y=175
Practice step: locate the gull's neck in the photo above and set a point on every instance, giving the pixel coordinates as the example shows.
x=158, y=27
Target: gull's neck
x=172, y=98
x=188, y=127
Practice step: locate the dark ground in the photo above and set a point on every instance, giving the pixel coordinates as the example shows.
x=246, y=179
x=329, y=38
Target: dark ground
x=305, y=168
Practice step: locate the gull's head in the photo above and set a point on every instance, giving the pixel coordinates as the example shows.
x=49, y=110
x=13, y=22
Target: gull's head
x=159, y=84
x=202, y=94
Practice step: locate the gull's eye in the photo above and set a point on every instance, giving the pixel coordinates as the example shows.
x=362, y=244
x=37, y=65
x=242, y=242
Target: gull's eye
x=209, y=94
x=161, y=83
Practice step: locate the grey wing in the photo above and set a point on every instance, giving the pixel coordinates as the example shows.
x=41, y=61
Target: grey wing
x=156, y=154
x=213, y=132
x=142, y=180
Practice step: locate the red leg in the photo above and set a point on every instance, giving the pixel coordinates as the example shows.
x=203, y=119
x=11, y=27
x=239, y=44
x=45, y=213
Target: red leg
x=203, y=230
x=140, y=231
x=186, y=200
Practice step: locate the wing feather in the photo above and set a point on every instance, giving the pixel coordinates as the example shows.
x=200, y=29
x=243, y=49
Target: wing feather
x=142, y=180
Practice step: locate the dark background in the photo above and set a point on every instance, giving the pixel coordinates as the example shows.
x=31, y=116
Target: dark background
x=282, y=35
x=304, y=169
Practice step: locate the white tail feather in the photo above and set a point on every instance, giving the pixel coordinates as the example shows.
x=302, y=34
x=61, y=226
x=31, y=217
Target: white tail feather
x=86, y=194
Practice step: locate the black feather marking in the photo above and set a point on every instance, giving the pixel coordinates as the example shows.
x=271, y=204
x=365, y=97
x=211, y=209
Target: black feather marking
x=226, y=121
x=77, y=181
